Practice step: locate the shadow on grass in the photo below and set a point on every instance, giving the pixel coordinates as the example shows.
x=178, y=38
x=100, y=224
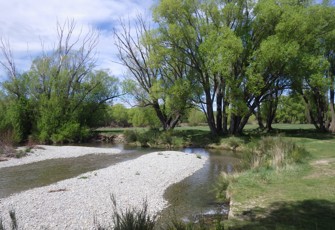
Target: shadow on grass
x=307, y=133
x=197, y=138
x=303, y=133
x=302, y=215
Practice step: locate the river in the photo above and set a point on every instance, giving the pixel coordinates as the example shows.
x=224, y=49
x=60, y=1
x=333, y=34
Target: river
x=188, y=199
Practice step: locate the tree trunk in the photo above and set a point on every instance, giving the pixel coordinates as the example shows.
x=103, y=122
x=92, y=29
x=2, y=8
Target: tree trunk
x=332, y=107
x=235, y=121
x=168, y=123
x=316, y=119
x=219, y=100
x=258, y=115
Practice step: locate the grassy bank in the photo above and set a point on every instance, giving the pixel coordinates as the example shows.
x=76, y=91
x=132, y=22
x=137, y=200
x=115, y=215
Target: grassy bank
x=298, y=196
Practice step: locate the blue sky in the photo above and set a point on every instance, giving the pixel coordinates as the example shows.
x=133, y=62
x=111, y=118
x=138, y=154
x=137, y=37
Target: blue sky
x=26, y=24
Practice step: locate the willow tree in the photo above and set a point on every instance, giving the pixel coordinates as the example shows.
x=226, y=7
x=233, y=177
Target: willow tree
x=198, y=32
x=234, y=53
x=156, y=79
x=313, y=29
x=62, y=92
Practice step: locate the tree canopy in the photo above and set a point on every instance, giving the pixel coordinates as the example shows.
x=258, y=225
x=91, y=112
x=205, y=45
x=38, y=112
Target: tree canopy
x=59, y=98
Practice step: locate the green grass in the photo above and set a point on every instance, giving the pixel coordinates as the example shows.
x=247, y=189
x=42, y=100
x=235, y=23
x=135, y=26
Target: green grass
x=297, y=197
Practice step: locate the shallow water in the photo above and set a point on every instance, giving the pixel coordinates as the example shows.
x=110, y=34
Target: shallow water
x=195, y=196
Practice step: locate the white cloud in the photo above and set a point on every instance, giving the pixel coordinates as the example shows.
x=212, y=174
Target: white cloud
x=27, y=24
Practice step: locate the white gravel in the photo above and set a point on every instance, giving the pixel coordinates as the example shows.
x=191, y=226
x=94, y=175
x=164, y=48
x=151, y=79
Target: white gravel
x=46, y=152
x=74, y=203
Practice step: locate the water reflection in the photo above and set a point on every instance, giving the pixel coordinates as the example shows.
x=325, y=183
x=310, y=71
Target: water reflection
x=195, y=195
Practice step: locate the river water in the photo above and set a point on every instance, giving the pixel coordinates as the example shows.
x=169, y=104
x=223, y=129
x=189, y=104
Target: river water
x=188, y=198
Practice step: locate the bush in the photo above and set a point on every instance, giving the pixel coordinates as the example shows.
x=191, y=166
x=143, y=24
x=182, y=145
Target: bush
x=70, y=132
x=130, y=136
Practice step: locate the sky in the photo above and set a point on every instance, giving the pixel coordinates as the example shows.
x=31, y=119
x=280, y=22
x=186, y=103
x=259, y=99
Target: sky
x=27, y=24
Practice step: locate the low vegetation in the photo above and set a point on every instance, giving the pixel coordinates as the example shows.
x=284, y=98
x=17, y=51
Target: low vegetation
x=289, y=185
x=131, y=219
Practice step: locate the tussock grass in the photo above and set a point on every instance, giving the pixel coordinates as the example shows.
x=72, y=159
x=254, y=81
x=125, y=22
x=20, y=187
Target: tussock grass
x=274, y=152
x=130, y=219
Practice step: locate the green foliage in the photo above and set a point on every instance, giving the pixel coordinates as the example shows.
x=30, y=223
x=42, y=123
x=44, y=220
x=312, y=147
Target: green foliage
x=196, y=117
x=155, y=138
x=234, y=142
x=291, y=109
x=60, y=95
x=221, y=186
x=119, y=115
x=143, y=117
x=130, y=136
x=70, y=132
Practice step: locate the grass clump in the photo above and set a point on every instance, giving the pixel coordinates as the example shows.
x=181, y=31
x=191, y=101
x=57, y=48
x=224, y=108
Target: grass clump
x=130, y=219
x=222, y=184
x=274, y=152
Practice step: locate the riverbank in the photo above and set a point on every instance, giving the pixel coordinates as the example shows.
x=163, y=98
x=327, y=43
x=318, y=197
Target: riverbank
x=76, y=202
x=47, y=152
x=296, y=197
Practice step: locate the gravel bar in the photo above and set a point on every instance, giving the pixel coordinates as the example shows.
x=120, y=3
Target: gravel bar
x=78, y=202
x=46, y=152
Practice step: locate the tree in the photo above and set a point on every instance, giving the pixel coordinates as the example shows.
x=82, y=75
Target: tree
x=233, y=52
x=157, y=80
x=313, y=28
x=198, y=33
x=62, y=90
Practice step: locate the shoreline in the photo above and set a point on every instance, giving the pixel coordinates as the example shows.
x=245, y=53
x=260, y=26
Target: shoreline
x=75, y=203
x=47, y=152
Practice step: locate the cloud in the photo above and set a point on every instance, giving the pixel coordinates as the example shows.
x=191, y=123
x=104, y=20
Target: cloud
x=30, y=23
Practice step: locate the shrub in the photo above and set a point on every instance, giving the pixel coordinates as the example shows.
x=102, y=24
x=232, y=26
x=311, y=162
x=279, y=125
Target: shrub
x=70, y=132
x=130, y=136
